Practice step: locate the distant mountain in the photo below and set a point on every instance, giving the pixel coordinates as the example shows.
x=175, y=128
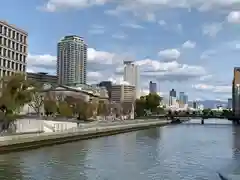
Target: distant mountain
x=211, y=103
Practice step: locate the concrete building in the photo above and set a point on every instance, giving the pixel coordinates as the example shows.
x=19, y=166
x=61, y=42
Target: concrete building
x=183, y=99
x=108, y=86
x=236, y=92
x=194, y=104
x=229, y=105
x=172, y=97
x=13, y=49
x=132, y=76
x=72, y=61
x=152, y=87
x=123, y=94
x=43, y=78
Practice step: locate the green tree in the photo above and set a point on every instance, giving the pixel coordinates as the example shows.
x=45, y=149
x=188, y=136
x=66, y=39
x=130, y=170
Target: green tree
x=64, y=109
x=50, y=107
x=140, y=106
x=153, y=101
x=15, y=93
x=206, y=112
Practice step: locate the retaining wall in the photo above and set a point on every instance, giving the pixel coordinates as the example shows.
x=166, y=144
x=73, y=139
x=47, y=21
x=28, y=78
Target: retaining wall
x=25, y=142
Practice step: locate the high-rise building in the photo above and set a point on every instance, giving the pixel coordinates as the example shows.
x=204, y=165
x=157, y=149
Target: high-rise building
x=172, y=97
x=173, y=93
x=72, y=61
x=152, y=87
x=229, y=105
x=194, y=104
x=183, y=99
x=236, y=92
x=13, y=49
x=132, y=75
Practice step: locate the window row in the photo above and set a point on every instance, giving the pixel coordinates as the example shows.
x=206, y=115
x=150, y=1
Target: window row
x=12, y=55
x=11, y=65
x=13, y=45
x=13, y=34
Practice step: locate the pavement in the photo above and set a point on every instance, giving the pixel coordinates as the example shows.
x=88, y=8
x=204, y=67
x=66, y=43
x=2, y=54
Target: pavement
x=86, y=127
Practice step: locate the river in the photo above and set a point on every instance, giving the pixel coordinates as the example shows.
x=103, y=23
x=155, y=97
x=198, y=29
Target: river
x=186, y=151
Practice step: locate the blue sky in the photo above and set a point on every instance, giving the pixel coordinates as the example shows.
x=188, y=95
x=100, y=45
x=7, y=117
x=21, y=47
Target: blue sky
x=189, y=45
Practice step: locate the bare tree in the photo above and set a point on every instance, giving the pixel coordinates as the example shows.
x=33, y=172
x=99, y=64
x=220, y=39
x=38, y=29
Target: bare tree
x=36, y=102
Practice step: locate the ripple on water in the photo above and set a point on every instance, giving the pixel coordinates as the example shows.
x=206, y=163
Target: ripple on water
x=168, y=153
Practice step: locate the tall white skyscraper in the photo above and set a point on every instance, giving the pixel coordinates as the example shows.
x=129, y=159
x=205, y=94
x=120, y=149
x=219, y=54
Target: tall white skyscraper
x=71, y=61
x=132, y=76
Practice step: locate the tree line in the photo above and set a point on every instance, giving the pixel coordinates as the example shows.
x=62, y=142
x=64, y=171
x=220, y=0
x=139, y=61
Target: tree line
x=17, y=91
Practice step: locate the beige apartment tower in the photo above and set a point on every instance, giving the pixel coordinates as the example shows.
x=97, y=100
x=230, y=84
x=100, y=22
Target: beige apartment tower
x=13, y=49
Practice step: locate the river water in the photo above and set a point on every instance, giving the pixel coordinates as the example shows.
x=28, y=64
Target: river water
x=186, y=151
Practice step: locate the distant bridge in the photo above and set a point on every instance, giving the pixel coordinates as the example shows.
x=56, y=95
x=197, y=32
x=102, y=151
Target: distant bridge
x=174, y=117
x=178, y=117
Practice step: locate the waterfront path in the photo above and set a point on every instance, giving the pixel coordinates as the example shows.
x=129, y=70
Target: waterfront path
x=178, y=152
x=84, y=131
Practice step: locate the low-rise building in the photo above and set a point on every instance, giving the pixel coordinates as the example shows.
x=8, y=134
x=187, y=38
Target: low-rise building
x=43, y=78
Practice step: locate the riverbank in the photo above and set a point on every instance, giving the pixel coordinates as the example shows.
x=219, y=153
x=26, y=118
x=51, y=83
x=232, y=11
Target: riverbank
x=30, y=141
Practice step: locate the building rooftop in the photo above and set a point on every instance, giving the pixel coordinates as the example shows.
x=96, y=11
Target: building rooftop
x=14, y=27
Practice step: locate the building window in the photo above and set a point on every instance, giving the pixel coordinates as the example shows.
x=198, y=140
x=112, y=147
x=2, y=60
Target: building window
x=5, y=31
x=8, y=64
x=13, y=34
x=17, y=38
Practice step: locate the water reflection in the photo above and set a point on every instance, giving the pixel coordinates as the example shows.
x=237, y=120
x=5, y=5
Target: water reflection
x=10, y=169
x=177, y=152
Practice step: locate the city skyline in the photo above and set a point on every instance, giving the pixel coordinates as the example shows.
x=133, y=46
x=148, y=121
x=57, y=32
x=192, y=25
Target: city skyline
x=187, y=59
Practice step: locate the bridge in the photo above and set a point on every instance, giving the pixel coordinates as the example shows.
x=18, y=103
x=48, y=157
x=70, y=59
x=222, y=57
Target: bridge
x=177, y=117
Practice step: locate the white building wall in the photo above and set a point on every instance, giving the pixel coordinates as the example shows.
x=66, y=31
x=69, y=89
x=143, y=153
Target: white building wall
x=132, y=76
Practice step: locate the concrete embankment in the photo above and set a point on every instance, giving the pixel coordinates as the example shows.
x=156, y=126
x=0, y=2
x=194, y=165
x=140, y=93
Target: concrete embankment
x=25, y=142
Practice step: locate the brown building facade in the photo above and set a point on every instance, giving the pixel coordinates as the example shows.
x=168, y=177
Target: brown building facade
x=236, y=92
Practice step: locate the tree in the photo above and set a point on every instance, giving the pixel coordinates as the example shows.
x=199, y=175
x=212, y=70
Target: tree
x=64, y=109
x=153, y=101
x=50, y=107
x=37, y=98
x=140, y=106
x=206, y=112
x=102, y=109
x=149, y=102
x=15, y=93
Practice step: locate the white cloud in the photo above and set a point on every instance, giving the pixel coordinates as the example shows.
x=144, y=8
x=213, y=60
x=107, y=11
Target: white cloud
x=189, y=45
x=54, y=5
x=48, y=62
x=101, y=57
x=44, y=60
x=162, y=23
x=145, y=9
x=118, y=80
x=215, y=89
x=234, y=17
x=132, y=25
x=94, y=74
x=168, y=71
x=103, y=65
x=119, y=36
x=97, y=29
x=211, y=29
x=207, y=54
x=169, y=54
